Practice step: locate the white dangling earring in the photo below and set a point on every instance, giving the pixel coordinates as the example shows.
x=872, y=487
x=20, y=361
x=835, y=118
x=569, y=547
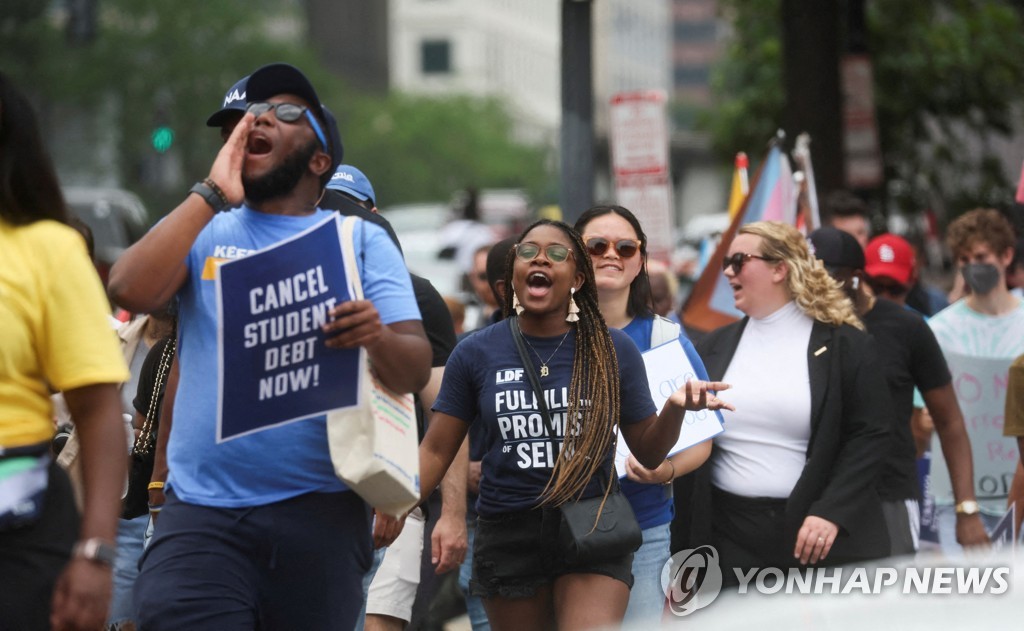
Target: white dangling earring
x=573, y=309
x=518, y=308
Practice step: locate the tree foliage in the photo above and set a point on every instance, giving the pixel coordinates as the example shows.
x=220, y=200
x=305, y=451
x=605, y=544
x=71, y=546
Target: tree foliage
x=166, y=63
x=418, y=148
x=947, y=77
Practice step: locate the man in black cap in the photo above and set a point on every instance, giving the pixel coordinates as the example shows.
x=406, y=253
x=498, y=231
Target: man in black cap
x=257, y=531
x=231, y=110
x=911, y=357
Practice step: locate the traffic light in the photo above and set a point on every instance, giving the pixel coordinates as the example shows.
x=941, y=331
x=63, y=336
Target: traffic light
x=163, y=138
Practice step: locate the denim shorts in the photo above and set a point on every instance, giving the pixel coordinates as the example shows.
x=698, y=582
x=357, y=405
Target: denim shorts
x=516, y=553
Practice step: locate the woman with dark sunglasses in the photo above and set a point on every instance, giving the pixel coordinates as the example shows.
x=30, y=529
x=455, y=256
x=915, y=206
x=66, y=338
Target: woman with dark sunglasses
x=791, y=482
x=618, y=250
x=594, y=382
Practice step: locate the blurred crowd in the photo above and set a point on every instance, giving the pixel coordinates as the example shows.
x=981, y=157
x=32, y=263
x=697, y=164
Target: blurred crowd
x=554, y=490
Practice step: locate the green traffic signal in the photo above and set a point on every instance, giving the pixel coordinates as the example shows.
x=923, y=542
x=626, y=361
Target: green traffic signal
x=163, y=138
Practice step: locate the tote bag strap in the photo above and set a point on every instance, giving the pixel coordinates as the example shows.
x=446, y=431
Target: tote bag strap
x=348, y=255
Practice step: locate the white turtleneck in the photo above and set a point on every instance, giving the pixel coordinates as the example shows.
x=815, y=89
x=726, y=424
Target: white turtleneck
x=763, y=449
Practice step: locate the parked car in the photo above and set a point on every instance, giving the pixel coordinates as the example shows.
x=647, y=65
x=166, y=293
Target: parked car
x=116, y=217
x=418, y=227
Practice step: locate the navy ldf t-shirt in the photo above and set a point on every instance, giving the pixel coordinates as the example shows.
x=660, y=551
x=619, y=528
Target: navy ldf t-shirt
x=484, y=382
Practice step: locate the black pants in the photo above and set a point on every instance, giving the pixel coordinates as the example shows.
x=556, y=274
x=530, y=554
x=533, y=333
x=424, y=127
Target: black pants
x=749, y=532
x=32, y=557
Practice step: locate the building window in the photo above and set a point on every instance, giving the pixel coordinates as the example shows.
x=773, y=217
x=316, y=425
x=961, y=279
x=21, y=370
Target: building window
x=697, y=31
x=690, y=75
x=436, y=56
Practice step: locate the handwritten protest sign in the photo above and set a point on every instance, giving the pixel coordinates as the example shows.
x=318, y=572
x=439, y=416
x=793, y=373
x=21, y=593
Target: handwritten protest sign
x=980, y=386
x=668, y=369
x=274, y=367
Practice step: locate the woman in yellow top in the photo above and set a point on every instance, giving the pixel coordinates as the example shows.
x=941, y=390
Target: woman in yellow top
x=54, y=335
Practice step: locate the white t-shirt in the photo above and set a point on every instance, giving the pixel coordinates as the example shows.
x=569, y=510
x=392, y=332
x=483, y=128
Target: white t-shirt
x=979, y=349
x=764, y=447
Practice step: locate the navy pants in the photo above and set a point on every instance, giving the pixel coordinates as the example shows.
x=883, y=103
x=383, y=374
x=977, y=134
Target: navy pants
x=295, y=564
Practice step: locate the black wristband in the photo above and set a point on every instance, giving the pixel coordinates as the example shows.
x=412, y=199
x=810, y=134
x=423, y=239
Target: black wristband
x=211, y=193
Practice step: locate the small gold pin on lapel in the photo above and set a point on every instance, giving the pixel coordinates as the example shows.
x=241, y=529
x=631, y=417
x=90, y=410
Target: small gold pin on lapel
x=820, y=351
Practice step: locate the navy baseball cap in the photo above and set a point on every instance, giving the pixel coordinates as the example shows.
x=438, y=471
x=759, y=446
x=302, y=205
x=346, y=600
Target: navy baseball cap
x=234, y=101
x=273, y=79
x=351, y=181
x=836, y=248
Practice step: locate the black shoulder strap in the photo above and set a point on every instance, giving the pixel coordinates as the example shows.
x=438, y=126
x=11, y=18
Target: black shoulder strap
x=531, y=373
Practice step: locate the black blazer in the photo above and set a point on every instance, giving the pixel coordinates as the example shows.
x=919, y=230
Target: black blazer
x=850, y=421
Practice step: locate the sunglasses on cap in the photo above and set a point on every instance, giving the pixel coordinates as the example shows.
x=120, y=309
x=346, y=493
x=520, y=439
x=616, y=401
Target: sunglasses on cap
x=289, y=113
x=739, y=259
x=528, y=251
x=625, y=248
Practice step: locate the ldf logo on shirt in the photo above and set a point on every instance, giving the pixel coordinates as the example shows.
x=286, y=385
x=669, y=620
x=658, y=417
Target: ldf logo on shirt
x=509, y=376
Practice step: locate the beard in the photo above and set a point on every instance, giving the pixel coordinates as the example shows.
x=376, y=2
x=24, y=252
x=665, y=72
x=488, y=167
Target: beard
x=281, y=180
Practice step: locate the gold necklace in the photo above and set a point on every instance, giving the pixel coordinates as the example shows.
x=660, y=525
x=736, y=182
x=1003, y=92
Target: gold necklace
x=544, y=372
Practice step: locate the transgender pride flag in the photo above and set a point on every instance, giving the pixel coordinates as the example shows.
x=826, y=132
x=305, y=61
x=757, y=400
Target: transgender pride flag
x=772, y=198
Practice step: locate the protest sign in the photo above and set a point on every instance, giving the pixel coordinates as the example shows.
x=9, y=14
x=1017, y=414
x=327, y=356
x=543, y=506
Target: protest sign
x=980, y=386
x=1004, y=533
x=273, y=365
x=668, y=369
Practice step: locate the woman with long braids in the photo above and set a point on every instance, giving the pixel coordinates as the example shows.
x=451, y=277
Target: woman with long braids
x=594, y=383
x=792, y=480
x=618, y=249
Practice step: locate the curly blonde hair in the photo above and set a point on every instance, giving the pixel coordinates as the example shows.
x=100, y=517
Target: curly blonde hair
x=815, y=292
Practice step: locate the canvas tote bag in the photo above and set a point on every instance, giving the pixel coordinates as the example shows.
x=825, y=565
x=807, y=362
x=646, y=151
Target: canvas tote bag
x=374, y=446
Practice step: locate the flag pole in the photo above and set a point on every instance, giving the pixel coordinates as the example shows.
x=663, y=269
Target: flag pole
x=697, y=311
x=808, y=198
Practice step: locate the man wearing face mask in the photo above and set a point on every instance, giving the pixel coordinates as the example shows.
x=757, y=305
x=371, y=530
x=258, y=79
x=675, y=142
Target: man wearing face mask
x=980, y=336
x=910, y=357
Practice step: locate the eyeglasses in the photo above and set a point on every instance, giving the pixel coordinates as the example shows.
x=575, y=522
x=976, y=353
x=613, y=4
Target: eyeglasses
x=739, y=259
x=556, y=253
x=289, y=113
x=625, y=248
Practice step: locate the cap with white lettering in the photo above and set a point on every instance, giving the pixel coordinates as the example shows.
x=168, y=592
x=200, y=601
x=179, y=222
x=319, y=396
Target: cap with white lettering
x=234, y=101
x=351, y=181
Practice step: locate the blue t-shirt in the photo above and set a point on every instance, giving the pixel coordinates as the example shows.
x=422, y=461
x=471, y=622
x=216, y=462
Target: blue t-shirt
x=281, y=462
x=652, y=503
x=485, y=377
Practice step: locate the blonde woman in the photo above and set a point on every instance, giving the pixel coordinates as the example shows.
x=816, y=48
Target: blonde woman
x=791, y=481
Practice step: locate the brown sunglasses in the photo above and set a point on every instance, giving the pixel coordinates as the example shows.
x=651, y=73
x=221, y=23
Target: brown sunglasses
x=625, y=248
